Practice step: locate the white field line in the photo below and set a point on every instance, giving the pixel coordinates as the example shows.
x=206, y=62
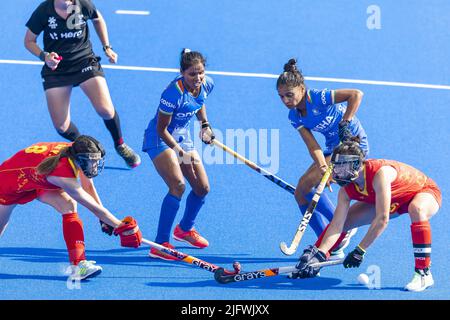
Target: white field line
x=133, y=12
x=257, y=75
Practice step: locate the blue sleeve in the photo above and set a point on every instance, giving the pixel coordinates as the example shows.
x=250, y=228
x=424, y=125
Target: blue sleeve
x=321, y=98
x=169, y=100
x=209, y=85
x=295, y=120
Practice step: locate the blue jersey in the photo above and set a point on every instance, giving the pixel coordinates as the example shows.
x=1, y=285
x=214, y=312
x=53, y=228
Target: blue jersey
x=323, y=115
x=180, y=104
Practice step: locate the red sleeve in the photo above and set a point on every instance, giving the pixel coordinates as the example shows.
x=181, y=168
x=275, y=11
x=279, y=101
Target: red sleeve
x=65, y=169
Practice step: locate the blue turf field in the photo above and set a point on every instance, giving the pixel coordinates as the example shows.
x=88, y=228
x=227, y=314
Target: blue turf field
x=245, y=216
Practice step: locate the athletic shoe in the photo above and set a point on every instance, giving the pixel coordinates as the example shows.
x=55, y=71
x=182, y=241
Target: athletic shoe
x=192, y=237
x=155, y=253
x=422, y=279
x=338, y=253
x=131, y=158
x=83, y=270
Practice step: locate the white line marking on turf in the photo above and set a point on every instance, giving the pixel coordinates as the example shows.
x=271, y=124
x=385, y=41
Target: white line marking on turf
x=257, y=75
x=135, y=12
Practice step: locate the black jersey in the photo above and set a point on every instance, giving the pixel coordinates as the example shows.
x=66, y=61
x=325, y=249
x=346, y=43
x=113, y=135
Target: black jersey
x=69, y=37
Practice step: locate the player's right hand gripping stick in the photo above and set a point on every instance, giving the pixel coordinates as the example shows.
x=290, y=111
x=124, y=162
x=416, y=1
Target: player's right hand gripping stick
x=130, y=235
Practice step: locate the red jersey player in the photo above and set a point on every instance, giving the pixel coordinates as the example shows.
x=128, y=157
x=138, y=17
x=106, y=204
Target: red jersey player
x=48, y=172
x=384, y=189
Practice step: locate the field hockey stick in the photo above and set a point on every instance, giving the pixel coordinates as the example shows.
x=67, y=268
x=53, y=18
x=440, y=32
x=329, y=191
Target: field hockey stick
x=280, y=182
x=190, y=259
x=223, y=278
x=307, y=216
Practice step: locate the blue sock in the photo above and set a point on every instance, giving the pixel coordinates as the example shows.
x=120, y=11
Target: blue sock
x=169, y=209
x=193, y=205
x=324, y=206
x=317, y=222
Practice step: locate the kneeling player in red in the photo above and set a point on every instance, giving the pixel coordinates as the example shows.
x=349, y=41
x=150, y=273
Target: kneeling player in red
x=48, y=172
x=383, y=189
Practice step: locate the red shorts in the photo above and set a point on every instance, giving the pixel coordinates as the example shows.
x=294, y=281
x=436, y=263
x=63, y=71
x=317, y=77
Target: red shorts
x=9, y=194
x=429, y=187
x=20, y=197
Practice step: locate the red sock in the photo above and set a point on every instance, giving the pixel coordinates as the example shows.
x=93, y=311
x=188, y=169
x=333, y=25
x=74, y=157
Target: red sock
x=421, y=238
x=74, y=237
x=337, y=243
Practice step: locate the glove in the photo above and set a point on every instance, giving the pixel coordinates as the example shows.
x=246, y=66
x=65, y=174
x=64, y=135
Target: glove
x=106, y=228
x=204, y=135
x=344, y=131
x=354, y=258
x=311, y=255
x=130, y=235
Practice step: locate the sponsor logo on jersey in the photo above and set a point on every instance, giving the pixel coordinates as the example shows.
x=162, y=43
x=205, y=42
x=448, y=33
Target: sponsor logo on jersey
x=323, y=97
x=183, y=115
x=324, y=124
x=87, y=69
x=167, y=103
x=70, y=35
x=52, y=23
x=53, y=35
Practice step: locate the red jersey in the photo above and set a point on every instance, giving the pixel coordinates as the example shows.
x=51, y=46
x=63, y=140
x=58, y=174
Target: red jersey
x=408, y=183
x=20, y=182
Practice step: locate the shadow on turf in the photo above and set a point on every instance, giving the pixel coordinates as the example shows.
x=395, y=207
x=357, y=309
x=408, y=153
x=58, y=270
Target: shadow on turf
x=116, y=168
x=281, y=282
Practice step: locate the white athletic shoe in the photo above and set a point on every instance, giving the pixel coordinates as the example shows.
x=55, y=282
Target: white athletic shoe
x=85, y=269
x=338, y=253
x=422, y=279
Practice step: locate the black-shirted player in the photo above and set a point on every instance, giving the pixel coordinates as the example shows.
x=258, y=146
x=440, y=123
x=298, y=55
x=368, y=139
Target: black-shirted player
x=70, y=62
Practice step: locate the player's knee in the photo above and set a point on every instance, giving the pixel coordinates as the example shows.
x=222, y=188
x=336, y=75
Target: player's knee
x=202, y=190
x=307, y=182
x=299, y=197
x=107, y=113
x=68, y=205
x=178, y=188
x=418, y=211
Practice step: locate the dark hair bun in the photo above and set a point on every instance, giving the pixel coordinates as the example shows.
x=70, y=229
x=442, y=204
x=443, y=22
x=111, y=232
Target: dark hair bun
x=291, y=65
x=185, y=50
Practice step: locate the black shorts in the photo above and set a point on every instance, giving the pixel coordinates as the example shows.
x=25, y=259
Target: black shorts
x=79, y=73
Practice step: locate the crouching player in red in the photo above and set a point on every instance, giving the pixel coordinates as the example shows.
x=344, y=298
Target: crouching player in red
x=383, y=189
x=48, y=172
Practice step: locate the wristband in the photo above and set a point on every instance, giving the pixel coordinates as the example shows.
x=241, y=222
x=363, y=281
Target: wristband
x=106, y=47
x=205, y=124
x=360, y=250
x=344, y=123
x=42, y=55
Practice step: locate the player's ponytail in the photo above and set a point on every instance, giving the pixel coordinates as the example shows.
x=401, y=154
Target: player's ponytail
x=189, y=58
x=49, y=164
x=291, y=77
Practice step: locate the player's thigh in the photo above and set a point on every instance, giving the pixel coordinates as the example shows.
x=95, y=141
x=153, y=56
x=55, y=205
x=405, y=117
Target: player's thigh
x=168, y=167
x=422, y=207
x=359, y=214
x=195, y=173
x=96, y=89
x=58, y=104
x=5, y=214
x=59, y=200
x=312, y=175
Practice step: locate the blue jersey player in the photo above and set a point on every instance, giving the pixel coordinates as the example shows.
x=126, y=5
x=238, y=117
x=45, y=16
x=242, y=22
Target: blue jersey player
x=322, y=111
x=168, y=143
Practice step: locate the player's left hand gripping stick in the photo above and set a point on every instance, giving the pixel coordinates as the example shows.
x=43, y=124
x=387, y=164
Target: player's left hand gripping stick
x=193, y=260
